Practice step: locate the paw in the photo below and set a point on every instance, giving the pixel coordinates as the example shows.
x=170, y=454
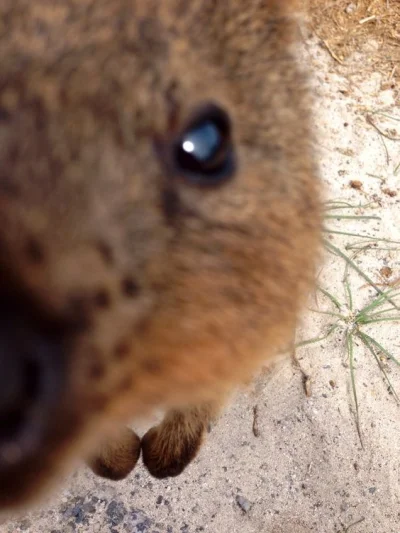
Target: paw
x=117, y=458
x=166, y=453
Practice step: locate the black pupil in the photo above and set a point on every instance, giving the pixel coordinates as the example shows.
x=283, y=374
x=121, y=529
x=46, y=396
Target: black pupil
x=204, y=149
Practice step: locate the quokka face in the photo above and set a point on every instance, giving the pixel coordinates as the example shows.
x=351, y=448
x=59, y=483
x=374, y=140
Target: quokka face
x=159, y=214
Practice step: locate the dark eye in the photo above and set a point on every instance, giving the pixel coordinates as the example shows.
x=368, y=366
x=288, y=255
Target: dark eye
x=204, y=152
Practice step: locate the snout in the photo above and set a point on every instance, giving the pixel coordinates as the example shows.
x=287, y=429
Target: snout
x=34, y=419
x=31, y=381
x=40, y=411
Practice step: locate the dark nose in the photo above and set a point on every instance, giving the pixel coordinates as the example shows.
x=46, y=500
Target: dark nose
x=31, y=370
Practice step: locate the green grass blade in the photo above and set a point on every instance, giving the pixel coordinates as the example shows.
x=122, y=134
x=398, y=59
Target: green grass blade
x=335, y=302
x=369, y=237
x=342, y=204
x=347, y=288
x=380, y=300
x=352, y=217
x=338, y=252
x=381, y=368
x=383, y=319
x=315, y=340
x=350, y=349
x=381, y=312
x=355, y=246
x=380, y=348
x=348, y=293
x=385, y=115
x=336, y=315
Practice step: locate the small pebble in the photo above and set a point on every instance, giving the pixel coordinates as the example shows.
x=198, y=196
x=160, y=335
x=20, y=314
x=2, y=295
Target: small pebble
x=389, y=192
x=243, y=503
x=386, y=272
x=351, y=8
x=116, y=512
x=356, y=184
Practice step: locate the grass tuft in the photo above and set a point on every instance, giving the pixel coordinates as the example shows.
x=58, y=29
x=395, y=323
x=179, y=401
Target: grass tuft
x=384, y=306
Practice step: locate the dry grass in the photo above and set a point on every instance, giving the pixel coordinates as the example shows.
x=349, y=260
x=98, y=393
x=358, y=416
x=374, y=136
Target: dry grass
x=345, y=26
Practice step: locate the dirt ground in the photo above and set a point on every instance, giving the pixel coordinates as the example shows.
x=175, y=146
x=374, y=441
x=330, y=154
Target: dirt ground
x=286, y=457
x=343, y=26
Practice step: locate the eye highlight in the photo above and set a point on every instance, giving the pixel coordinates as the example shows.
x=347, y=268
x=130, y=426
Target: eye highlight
x=204, y=153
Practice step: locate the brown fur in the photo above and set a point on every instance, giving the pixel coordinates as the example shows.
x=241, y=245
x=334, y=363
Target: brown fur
x=168, y=294
x=168, y=448
x=116, y=458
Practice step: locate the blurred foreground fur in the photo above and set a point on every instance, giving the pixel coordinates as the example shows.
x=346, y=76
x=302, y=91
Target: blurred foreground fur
x=132, y=286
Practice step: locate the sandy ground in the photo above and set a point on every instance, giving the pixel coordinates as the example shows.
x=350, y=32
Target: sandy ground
x=306, y=470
